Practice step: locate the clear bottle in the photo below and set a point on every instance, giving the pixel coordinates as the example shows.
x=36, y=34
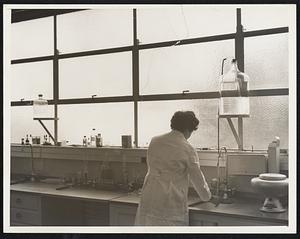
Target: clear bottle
x=40, y=107
x=93, y=138
x=84, y=141
x=27, y=139
x=99, y=142
x=237, y=82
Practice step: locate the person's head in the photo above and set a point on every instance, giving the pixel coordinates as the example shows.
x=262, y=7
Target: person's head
x=185, y=122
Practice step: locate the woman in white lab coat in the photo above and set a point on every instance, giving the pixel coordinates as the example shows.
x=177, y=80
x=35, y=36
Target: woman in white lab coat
x=172, y=162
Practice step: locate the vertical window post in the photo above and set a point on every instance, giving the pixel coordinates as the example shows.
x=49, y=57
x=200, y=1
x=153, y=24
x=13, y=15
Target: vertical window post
x=239, y=55
x=55, y=79
x=135, y=76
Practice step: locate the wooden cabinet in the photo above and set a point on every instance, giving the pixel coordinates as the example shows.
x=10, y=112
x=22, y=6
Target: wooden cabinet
x=122, y=214
x=25, y=209
x=204, y=219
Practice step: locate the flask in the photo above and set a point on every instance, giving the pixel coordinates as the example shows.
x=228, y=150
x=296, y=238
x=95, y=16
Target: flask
x=40, y=107
x=234, y=81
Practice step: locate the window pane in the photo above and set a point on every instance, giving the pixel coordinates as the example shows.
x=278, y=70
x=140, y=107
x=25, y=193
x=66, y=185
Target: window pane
x=178, y=22
x=110, y=119
x=104, y=75
x=30, y=79
x=94, y=29
x=32, y=38
x=205, y=110
x=195, y=67
x=262, y=17
x=266, y=61
x=269, y=117
x=22, y=123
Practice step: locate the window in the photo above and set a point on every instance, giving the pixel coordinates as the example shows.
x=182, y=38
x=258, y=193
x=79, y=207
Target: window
x=262, y=17
x=110, y=119
x=32, y=38
x=30, y=79
x=195, y=67
x=94, y=29
x=178, y=22
x=206, y=111
x=103, y=75
x=267, y=67
x=269, y=117
x=22, y=123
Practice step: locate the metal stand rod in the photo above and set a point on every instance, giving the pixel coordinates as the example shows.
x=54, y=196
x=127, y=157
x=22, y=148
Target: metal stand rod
x=45, y=128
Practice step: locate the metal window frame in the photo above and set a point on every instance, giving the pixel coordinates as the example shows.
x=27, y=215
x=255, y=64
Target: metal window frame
x=238, y=36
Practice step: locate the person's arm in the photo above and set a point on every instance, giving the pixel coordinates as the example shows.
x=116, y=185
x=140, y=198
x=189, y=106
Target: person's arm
x=197, y=178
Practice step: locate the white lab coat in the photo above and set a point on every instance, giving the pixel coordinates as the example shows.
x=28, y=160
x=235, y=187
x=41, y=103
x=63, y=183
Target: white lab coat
x=172, y=161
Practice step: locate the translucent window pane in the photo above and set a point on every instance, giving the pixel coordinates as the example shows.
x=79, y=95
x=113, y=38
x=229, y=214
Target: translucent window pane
x=32, y=38
x=269, y=117
x=30, y=79
x=110, y=119
x=266, y=61
x=195, y=67
x=94, y=29
x=177, y=22
x=262, y=17
x=205, y=110
x=22, y=123
x=103, y=75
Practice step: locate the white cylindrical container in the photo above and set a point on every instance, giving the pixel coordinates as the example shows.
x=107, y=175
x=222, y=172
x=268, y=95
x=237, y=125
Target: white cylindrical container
x=274, y=156
x=40, y=108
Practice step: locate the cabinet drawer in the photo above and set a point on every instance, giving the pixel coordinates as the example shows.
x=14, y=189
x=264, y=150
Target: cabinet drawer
x=25, y=200
x=25, y=216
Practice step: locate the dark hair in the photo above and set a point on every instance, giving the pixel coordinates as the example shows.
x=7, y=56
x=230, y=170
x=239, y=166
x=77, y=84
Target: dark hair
x=184, y=120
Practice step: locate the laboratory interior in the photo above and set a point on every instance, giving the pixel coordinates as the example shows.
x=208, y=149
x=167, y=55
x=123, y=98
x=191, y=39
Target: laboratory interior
x=89, y=87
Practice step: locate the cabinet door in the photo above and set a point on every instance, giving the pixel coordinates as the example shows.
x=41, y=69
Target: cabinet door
x=122, y=214
x=96, y=213
x=62, y=211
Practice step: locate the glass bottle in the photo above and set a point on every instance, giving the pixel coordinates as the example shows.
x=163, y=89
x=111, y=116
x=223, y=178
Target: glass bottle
x=84, y=141
x=27, y=139
x=93, y=138
x=99, y=142
x=40, y=107
x=237, y=83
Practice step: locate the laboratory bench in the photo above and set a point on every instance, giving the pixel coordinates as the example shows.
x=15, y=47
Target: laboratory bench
x=41, y=204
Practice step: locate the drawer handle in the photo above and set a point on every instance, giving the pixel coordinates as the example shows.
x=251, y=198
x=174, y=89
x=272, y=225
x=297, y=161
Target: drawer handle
x=18, y=215
x=18, y=200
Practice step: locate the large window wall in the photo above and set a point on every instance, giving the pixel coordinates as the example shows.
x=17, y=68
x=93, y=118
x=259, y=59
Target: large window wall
x=123, y=71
